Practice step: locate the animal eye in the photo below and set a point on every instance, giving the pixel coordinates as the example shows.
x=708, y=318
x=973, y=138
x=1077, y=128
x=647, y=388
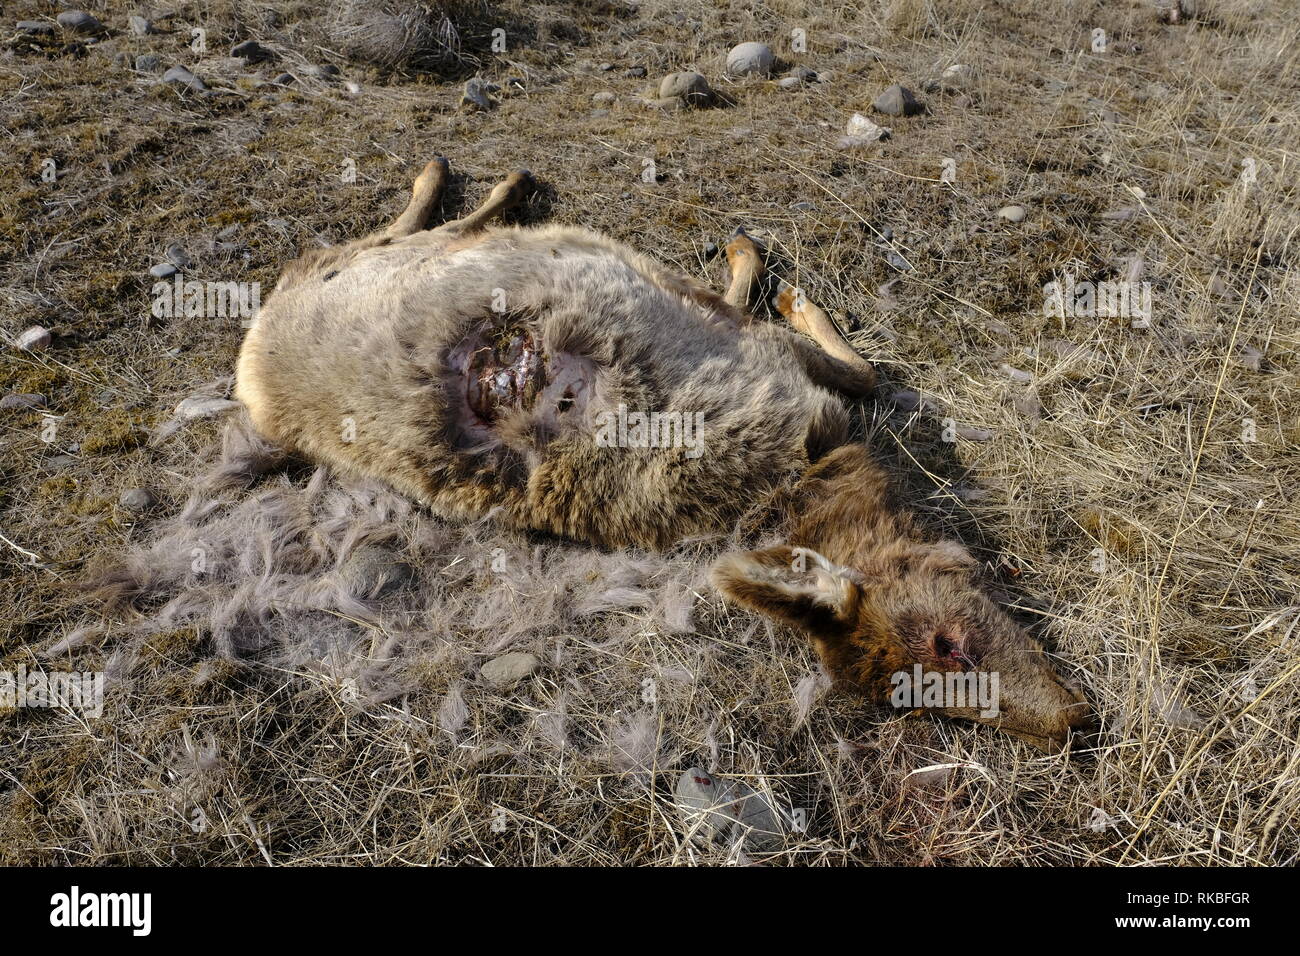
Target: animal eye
x=942, y=646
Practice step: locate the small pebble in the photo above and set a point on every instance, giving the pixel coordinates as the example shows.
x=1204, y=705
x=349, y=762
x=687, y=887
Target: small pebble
x=34, y=339
x=250, y=51
x=509, y=669
x=635, y=72
x=474, y=96
x=603, y=98
x=284, y=79
x=35, y=27
x=1013, y=213
x=790, y=83
x=148, y=63
x=1016, y=375
x=139, y=25
x=22, y=401
x=180, y=76
x=163, y=270
x=137, y=499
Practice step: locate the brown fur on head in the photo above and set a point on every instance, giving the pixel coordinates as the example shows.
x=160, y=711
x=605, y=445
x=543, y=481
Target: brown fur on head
x=910, y=604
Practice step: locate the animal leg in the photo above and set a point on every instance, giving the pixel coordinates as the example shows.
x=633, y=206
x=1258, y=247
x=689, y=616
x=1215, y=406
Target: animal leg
x=813, y=322
x=505, y=195
x=425, y=195
x=746, y=264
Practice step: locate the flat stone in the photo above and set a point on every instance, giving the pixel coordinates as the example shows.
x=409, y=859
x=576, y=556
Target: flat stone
x=35, y=27
x=34, y=339
x=22, y=401
x=509, y=669
x=79, y=21
x=180, y=76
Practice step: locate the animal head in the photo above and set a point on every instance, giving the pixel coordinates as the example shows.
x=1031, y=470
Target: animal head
x=911, y=627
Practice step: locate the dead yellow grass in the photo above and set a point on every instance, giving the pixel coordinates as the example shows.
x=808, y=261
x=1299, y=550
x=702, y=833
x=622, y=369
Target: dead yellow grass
x=1136, y=499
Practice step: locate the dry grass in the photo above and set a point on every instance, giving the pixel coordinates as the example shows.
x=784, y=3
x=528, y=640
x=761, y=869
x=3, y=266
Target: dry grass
x=1117, y=502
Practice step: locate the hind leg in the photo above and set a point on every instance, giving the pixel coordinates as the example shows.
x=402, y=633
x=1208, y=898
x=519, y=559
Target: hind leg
x=425, y=196
x=746, y=263
x=837, y=364
x=505, y=195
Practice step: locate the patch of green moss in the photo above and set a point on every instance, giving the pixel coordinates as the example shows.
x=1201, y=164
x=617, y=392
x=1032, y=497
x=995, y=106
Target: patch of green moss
x=116, y=431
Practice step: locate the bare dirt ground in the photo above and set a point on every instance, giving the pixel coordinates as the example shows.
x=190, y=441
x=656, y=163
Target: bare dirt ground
x=1131, y=487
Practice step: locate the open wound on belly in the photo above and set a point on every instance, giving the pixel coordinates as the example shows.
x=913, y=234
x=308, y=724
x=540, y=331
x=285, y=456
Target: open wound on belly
x=501, y=369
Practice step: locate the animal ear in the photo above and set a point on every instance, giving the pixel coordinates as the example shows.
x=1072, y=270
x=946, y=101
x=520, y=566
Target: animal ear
x=794, y=585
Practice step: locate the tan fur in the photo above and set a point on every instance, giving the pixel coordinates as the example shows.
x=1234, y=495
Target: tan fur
x=355, y=361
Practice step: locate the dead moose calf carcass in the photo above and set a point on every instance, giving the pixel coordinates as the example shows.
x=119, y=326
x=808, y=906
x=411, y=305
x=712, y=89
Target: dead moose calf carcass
x=567, y=384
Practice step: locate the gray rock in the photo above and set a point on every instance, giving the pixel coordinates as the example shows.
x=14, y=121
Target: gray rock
x=475, y=95
x=803, y=73
x=371, y=572
x=730, y=812
x=898, y=101
x=973, y=434
x=789, y=83
x=140, y=26
x=861, y=128
x=21, y=401
x=603, y=98
x=137, y=499
x=322, y=71
x=35, y=27
x=606, y=67
x=180, y=76
x=163, y=270
x=751, y=58
x=635, y=72
x=284, y=79
x=1020, y=376
x=1013, y=213
x=693, y=88
x=803, y=206
x=148, y=63
x=79, y=21
x=250, y=51
x=701, y=802
x=825, y=76
x=203, y=406
x=509, y=669
x=34, y=339
x=758, y=822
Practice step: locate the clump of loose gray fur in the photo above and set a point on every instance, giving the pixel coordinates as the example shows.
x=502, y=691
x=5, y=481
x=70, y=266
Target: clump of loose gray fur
x=394, y=33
